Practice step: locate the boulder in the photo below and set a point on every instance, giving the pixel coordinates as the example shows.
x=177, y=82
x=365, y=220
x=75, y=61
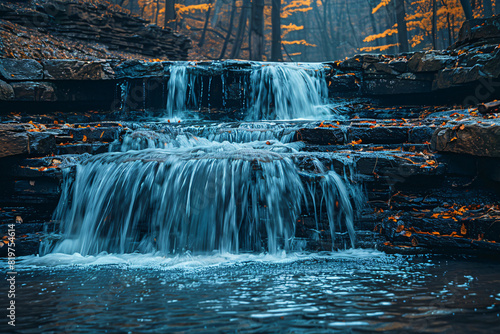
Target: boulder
x=421, y=134
x=448, y=78
x=20, y=69
x=379, y=135
x=429, y=62
x=483, y=30
x=321, y=136
x=6, y=91
x=343, y=83
x=13, y=143
x=64, y=69
x=41, y=143
x=140, y=69
x=34, y=91
x=474, y=139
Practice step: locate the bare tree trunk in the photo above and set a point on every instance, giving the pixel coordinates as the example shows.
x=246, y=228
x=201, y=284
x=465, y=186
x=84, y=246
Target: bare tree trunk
x=450, y=33
x=488, y=8
x=229, y=30
x=402, y=30
x=276, y=54
x=434, y=24
x=322, y=28
x=170, y=14
x=467, y=9
x=390, y=13
x=205, y=27
x=351, y=25
x=241, y=30
x=257, y=30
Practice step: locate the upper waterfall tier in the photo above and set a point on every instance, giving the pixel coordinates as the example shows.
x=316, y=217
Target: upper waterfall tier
x=266, y=91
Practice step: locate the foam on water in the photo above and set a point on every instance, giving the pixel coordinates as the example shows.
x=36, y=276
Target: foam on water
x=187, y=260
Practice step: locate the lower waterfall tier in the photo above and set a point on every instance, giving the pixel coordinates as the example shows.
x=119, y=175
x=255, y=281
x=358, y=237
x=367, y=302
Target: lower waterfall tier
x=211, y=196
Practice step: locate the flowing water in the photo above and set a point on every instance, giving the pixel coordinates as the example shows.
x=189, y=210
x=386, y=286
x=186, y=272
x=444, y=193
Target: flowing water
x=200, y=227
x=345, y=292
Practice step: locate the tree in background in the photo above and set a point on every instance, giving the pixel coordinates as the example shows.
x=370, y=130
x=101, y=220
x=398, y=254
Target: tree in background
x=170, y=14
x=276, y=54
x=256, y=38
x=311, y=30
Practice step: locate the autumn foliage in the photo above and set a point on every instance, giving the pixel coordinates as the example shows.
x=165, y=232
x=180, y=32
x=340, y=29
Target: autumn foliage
x=312, y=30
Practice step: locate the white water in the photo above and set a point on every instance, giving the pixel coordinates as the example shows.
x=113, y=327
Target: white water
x=186, y=261
x=275, y=91
x=288, y=92
x=225, y=187
x=196, y=195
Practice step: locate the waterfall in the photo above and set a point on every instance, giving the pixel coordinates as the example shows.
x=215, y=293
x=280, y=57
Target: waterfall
x=177, y=89
x=194, y=197
x=204, y=187
x=276, y=91
x=288, y=92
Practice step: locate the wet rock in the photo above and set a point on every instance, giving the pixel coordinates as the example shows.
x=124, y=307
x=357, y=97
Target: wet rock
x=385, y=68
x=492, y=65
x=6, y=91
x=13, y=143
x=63, y=69
x=33, y=91
x=20, y=69
x=429, y=62
x=379, y=135
x=140, y=69
x=388, y=86
x=100, y=28
x=400, y=65
x=479, y=30
x=359, y=62
x=94, y=134
x=457, y=76
x=321, y=136
x=343, y=83
x=421, y=134
x=474, y=139
x=42, y=143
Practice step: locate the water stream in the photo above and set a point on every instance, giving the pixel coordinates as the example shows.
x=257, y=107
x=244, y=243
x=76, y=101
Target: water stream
x=213, y=227
x=218, y=186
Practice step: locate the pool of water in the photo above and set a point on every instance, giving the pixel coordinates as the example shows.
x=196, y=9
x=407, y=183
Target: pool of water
x=351, y=291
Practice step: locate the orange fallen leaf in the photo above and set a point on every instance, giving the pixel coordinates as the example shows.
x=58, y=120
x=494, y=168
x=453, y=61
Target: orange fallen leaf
x=414, y=242
x=356, y=142
x=463, y=230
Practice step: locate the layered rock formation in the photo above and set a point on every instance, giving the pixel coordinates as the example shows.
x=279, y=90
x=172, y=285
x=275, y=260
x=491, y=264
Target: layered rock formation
x=83, y=30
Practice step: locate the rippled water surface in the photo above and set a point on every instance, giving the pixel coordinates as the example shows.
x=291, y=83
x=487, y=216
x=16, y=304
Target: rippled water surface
x=353, y=291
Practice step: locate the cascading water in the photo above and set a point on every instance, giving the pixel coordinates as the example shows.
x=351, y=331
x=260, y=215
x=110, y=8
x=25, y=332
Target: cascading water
x=205, y=197
x=179, y=83
x=226, y=187
x=275, y=91
x=288, y=92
